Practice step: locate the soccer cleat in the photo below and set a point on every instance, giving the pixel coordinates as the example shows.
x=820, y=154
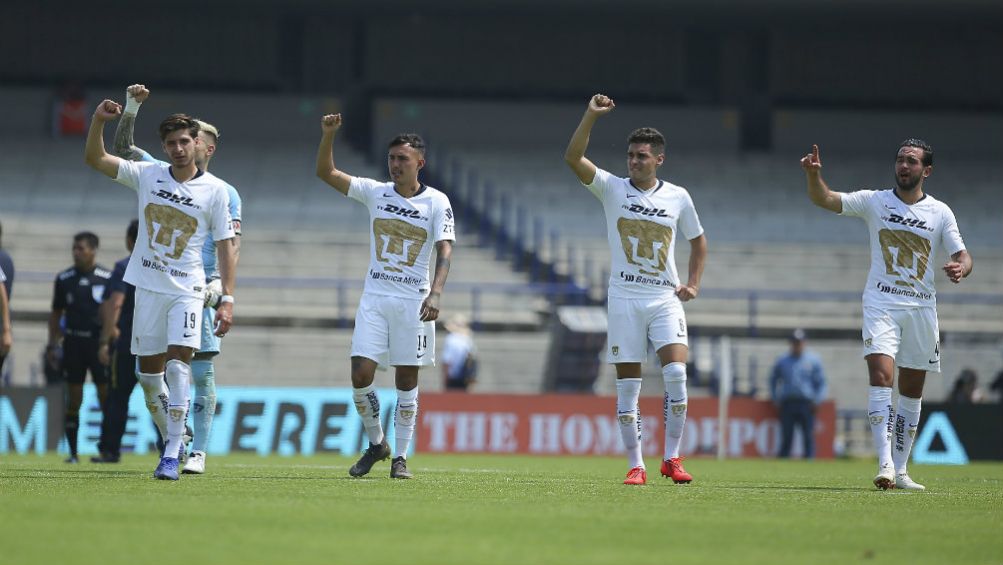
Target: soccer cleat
x=903, y=482
x=372, y=454
x=885, y=478
x=167, y=470
x=398, y=469
x=105, y=458
x=636, y=476
x=673, y=469
x=186, y=440
x=195, y=464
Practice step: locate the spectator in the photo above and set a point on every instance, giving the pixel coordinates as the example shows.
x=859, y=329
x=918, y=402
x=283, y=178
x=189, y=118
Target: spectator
x=7, y=280
x=459, y=361
x=966, y=389
x=797, y=386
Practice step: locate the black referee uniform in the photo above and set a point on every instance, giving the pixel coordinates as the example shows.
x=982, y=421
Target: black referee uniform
x=78, y=295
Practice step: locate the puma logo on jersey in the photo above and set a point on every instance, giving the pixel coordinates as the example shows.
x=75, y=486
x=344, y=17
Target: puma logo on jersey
x=184, y=201
x=656, y=212
x=908, y=222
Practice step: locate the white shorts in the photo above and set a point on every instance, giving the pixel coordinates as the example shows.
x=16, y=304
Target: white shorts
x=633, y=322
x=388, y=331
x=160, y=320
x=910, y=336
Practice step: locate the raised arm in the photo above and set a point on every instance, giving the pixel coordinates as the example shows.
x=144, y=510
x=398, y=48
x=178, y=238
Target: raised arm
x=94, y=153
x=430, y=306
x=574, y=155
x=698, y=256
x=818, y=191
x=326, y=171
x=227, y=254
x=960, y=266
x=124, y=146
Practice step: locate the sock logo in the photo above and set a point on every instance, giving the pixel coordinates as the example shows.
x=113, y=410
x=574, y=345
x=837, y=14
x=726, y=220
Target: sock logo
x=627, y=419
x=876, y=418
x=176, y=413
x=912, y=431
x=678, y=409
x=899, y=433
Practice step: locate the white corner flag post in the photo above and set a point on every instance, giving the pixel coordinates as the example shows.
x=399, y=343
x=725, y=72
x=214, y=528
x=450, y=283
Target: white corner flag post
x=723, y=396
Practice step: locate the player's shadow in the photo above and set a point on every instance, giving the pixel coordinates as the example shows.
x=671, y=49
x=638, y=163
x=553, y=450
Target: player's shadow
x=789, y=487
x=84, y=470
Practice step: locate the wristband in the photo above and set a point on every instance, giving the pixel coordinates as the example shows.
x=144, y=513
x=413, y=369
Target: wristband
x=226, y=298
x=131, y=105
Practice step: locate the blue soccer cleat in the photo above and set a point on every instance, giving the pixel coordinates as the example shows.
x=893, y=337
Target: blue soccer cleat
x=167, y=470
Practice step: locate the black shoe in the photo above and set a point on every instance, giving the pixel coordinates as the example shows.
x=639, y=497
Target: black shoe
x=105, y=458
x=398, y=469
x=373, y=454
x=71, y=459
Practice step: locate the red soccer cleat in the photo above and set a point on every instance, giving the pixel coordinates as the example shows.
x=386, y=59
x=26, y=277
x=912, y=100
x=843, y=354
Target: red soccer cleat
x=636, y=476
x=673, y=469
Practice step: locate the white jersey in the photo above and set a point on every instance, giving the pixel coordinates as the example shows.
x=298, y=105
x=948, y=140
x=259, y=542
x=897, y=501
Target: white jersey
x=175, y=221
x=904, y=245
x=404, y=231
x=642, y=227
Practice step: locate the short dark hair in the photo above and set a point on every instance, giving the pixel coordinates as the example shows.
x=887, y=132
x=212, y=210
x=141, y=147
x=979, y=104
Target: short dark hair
x=176, y=122
x=920, y=144
x=651, y=136
x=88, y=237
x=412, y=139
x=132, y=232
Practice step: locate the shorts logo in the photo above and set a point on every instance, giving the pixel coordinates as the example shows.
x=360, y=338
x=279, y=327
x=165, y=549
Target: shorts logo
x=616, y=350
x=868, y=342
x=682, y=328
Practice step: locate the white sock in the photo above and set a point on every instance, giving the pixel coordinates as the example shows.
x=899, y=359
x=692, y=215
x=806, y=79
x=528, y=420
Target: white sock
x=906, y=424
x=404, y=418
x=629, y=417
x=179, y=382
x=674, y=376
x=155, y=392
x=879, y=415
x=367, y=404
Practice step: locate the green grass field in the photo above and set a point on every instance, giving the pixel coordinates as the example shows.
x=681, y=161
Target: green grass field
x=493, y=509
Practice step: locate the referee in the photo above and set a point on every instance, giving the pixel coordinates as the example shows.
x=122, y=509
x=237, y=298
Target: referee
x=76, y=299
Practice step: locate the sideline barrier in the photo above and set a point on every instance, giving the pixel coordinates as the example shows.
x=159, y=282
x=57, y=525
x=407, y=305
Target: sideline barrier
x=307, y=421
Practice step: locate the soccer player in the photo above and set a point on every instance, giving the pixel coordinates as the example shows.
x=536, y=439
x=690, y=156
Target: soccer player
x=180, y=206
x=77, y=294
x=907, y=227
x=6, y=337
x=117, y=309
x=644, y=217
x=203, y=368
x=394, y=324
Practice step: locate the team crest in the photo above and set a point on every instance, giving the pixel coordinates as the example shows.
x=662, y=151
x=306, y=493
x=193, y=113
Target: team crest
x=616, y=350
x=876, y=420
x=868, y=342
x=678, y=409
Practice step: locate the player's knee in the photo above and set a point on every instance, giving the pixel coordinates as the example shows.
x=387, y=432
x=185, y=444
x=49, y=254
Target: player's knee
x=674, y=373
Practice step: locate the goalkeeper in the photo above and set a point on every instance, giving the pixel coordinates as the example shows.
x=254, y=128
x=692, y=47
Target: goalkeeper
x=203, y=371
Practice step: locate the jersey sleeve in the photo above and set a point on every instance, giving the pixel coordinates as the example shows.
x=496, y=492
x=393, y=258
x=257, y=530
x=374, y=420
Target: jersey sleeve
x=128, y=173
x=951, y=235
x=363, y=189
x=58, y=296
x=856, y=203
x=236, y=205
x=689, y=221
x=443, y=223
x=116, y=283
x=600, y=184
x=220, y=223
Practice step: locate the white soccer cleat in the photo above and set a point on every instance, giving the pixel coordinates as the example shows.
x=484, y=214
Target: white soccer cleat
x=885, y=478
x=903, y=482
x=195, y=464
